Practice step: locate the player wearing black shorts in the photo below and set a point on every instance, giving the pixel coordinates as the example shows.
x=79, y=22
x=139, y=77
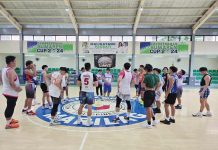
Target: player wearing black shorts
x=171, y=95
x=44, y=87
x=151, y=83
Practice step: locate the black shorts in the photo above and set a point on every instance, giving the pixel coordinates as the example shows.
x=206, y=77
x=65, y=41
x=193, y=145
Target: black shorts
x=149, y=98
x=171, y=98
x=44, y=88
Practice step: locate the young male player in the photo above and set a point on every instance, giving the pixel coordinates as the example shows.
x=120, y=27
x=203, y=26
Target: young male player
x=150, y=85
x=108, y=79
x=29, y=73
x=180, y=75
x=136, y=78
x=100, y=78
x=87, y=81
x=124, y=90
x=170, y=96
x=204, y=93
x=55, y=90
x=141, y=78
x=160, y=91
x=44, y=87
x=11, y=88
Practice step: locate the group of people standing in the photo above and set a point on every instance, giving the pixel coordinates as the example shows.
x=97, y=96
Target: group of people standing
x=149, y=84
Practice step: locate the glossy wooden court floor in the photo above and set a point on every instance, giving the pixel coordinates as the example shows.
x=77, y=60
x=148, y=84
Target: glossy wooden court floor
x=188, y=132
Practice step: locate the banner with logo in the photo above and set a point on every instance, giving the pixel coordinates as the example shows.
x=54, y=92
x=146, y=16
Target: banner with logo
x=105, y=47
x=105, y=60
x=50, y=47
x=163, y=47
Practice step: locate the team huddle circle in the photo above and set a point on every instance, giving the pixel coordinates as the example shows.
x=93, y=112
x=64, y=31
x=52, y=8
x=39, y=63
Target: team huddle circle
x=102, y=115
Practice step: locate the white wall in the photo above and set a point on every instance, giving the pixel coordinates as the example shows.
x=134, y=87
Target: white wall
x=9, y=47
x=2, y=59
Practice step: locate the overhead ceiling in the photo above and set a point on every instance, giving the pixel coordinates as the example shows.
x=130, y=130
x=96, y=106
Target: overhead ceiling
x=109, y=13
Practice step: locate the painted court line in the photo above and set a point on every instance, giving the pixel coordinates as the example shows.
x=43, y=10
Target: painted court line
x=83, y=141
x=84, y=129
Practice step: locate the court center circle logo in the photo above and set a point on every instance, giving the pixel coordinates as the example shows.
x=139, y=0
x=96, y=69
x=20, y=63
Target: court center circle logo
x=102, y=115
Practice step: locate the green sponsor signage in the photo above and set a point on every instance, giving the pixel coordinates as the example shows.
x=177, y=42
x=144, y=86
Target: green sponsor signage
x=50, y=47
x=163, y=47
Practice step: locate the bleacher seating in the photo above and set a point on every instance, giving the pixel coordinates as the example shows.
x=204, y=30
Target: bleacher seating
x=213, y=73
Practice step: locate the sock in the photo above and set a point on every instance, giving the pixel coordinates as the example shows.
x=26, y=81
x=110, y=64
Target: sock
x=149, y=122
x=168, y=118
x=8, y=121
x=79, y=117
x=89, y=118
x=52, y=120
x=117, y=114
x=172, y=117
x=29, y=110
x=153, y=118
x=128, y=114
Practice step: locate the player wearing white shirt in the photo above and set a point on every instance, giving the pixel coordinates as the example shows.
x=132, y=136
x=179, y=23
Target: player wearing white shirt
x=180, y=75
x=87, y=81
x=160, y=91
x=124, y=89
x=55, y=90
x=108, y=79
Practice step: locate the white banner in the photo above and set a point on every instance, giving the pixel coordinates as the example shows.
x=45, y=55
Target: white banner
x=104, y=47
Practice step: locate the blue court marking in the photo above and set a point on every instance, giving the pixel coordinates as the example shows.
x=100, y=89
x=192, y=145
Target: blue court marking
x=103, y=113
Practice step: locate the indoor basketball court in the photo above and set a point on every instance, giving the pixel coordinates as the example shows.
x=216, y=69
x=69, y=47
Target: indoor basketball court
x=112, y=75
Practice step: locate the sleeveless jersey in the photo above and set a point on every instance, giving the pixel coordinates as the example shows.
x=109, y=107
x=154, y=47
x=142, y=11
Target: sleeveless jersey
x=41, y=77
x=175, y=84
x=203, y=83
x=87, y=80
x=108, y=77
x=28, y=78
x=125, y=83
x=7, y=89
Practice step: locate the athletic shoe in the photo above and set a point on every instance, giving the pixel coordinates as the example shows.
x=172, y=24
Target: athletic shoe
x=30, y=113
x=147, y=126
x=126, y=118
x=24, y=110
x=79, y=121
x=155, y=122
x=178, y=106
x=12, y=126
x=157, y=110
x=115, y=120
x=208, y=114
x=13, y=121
x=89, y=123
x=172, y=120
x=54, y=123
x=165, y=122
x=50, y=107
x=197, y=115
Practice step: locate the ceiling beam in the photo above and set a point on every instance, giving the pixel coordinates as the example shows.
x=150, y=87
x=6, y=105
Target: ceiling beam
x=71, y=15
x=105, y=23
x=138, y=15
x=110, y=8
x=108, y=16
x=10, y=18
x=205, y=16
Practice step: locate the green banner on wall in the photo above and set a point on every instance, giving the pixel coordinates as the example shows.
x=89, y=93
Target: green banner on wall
x=163, y=47
x=50, y=47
